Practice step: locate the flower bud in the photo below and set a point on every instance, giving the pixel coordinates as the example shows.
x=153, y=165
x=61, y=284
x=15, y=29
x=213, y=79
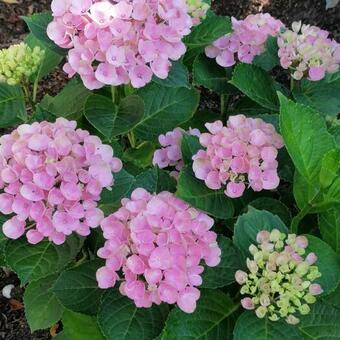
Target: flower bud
x=304, y=309
x=252, y=266
x=292, y=320
x=247, y=303
x=241, y=277
x=301, y=241
x=274, y=235
x=315, y=289
x=302, y=268
x=264, y=300
x=253, y=249
x=261, y=312
x=311, y=258
x=263, y=236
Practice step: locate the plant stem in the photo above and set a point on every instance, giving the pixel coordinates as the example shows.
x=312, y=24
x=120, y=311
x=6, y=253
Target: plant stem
x=294, y=227
x=35, y=90
x=224, y=106
x=132, y=139
x=113, y=94
x=292, y=83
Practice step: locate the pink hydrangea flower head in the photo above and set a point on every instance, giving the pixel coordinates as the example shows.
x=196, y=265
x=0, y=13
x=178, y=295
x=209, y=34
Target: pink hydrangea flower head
x=308, y=51
x=170, y=155
x=120, y=41
x=51, y=176
x=247, y=40
x=239, y=155
x=155, y=244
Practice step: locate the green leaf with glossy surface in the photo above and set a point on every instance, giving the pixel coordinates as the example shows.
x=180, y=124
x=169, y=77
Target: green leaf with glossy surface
x=120, y=319
x=249, y=224
x=213, y=319
x=256, y=84
x=33, y=262
x=165, y=108
x=195, y=192
x=190, y=146
x=306, y=137
x=329, y=224
x=330, y=167
x=249, y=326
x=77, y=288
x=81, y=327
x=223, y=274
x=42, y=309
x=334, y=298
x=178, y=76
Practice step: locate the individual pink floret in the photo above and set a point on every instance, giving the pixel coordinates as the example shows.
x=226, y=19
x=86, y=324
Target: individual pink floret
x=170, y=155
x=155, y=244
x=51, y=175
x=247, y=40
x=238, y=155
x=308, y=51
x=120, y=41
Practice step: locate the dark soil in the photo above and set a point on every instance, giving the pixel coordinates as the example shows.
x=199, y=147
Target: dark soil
x=13, y=325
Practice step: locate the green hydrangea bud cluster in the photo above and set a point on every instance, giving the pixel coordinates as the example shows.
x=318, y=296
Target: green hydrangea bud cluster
x=197, y=10
x=280, y=279
x=19, y=62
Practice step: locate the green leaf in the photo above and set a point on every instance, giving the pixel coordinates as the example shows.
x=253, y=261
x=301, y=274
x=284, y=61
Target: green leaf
x=205, y=34
x=306, y=137
x=165, y=108
x=207, y=73
x=80, y=327
x=195, y=192
x=142, y=155
x=329, y=224
x=256, y=84
x=321, y=323
x=51, y=58
x=335, y=132
x=248, y=107
x=100, y=113
x=178, y=76
x=130, y=113
x=250, y=223
x=37, y=23
x=328, y=264
x=12, y=105
x=213, y=319
x=199, y=120
x=3, y=240
x=334, y=298
x=190, y=146
x=120, y=319
x=224, y=273
x=249, y=326
x=321, y=95
x=77, y=288
x=42, y=309
x=61, y=336
x=304, y=192
x=33, y=262
x=269, y=58
x=273, y=206
x=330, y=167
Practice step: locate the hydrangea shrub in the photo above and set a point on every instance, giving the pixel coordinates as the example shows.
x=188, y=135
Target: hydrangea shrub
x=130, y=210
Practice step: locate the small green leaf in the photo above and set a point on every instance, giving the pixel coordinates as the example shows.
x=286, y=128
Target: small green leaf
x=195, y=192
x=224, y=273
x=306, y=137
x=77, y=288
x=330, y=167
x=214, y=319
x=178, y=76
x=269, y=58
x=256, y=84
x=142, y=155
x=33, y=262
x=199, y=120
x=328, y=264
x=42, y=309
x=249, y=224
x=165, y=108
x=190, y=146
x=249, y=326
x=120, y=319
x=80, y=327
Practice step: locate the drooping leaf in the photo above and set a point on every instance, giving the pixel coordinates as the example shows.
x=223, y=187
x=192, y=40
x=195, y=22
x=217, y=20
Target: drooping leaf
x=33, y=262
x=256, y=84
x=165, y=108
x=42, y=309
x=178, y=76
x=195, y=192
x=249, y=224
x=120, y=319
x=213, y=319
x=77, y=288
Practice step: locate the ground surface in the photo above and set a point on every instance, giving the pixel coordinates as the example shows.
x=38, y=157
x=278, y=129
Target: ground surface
x=12, y=30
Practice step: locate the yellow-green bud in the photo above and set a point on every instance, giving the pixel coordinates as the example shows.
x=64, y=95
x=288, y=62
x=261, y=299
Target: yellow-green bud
x=291, y=319
x=261, y=312
x=304, y=309
x=274, y=235
x=309, y=298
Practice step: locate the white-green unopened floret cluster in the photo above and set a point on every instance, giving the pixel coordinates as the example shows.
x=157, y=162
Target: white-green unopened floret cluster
x=19, y=62
x=197, y=10
x=280, y=279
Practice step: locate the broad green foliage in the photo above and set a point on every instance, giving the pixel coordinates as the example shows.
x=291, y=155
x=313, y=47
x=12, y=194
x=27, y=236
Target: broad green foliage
x=269, y=59
x=329, y=224
x=178, y=76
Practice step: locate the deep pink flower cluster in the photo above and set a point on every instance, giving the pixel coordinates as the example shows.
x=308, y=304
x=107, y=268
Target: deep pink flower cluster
x=309, y=51
x=52, y=175
x=247, y=40
x=243, y=152
x=158, y=241
x=170, y=154
x=120, y=41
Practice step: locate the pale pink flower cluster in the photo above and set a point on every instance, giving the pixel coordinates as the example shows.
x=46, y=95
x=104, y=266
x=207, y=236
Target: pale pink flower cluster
x=309, y=51
x=247, y=40
x=158, y=242
x=120, y=41
x=243, y=152
x=52, y=175
x=170, y=155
